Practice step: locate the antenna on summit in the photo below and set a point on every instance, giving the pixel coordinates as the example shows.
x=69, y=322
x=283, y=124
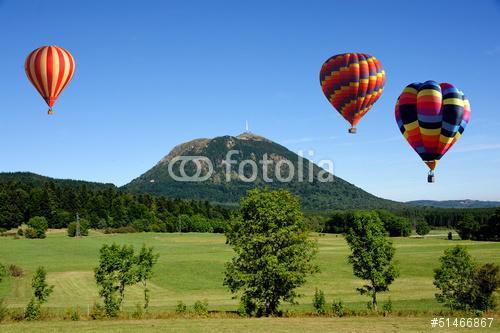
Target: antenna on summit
x=246, y=127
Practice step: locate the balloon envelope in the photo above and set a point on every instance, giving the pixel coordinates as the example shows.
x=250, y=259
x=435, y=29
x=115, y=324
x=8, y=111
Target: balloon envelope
x=352, y=83
x=50, y=68
x=432, y=116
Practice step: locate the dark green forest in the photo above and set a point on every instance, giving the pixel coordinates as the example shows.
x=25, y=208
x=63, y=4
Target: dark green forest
x=106, y=207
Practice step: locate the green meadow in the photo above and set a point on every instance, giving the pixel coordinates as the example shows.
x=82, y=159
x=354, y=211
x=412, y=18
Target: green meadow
x=191, y=268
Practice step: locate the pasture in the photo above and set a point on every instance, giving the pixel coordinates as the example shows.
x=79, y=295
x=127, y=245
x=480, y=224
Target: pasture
x=191, y=268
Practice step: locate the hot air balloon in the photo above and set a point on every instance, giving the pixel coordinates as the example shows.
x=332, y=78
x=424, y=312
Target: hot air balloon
x=352, y=83
x=50, y=68
x=432, y=116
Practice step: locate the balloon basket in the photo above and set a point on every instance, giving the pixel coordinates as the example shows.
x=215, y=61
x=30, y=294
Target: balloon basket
x=352, y=130
x=431, y=178
x=50, y=112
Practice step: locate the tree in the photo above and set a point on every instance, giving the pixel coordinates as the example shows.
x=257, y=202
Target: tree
x=39, y=224
x=41, y=290
x=371, y=254
x=486, y=281
x=84, y=228
x=422, y=228
x=41, y=293
x=114, y=273
x=273, y=253
x=396, y=226
x=454, y=278
x=146, y=259
x=467, y=227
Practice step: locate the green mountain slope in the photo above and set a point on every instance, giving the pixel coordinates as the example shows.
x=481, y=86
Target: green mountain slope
x=315, y=195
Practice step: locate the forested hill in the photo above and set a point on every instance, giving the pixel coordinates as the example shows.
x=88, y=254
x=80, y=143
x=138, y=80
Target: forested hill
x=104, y=206
x=39, y=181
x=315, y=195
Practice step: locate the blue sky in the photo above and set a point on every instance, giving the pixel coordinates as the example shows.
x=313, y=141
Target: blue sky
x=150, y=75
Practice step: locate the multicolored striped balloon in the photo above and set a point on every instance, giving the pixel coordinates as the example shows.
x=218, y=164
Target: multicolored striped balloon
x=50, y=68
x=352, y=82
x=432, y=116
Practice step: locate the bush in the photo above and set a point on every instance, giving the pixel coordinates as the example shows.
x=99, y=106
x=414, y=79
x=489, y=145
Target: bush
x=319, y=301
x=39, y=224
x=15, y=271
x=32, y=311
x=3, y=310
x=486, y=281
x=338, y=308
x=97, y=312
x=387, y=306
x=450, y=235
x=422, y=228
x=3, y=272
x=84, y=228
x=20, y=232
x=247, y=307
x=181, y=307
x=72, y=314
x=201, y=308
x=138, y=312
x=30, y=233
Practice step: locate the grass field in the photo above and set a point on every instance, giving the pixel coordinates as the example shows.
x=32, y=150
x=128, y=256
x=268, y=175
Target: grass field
x=191, y=268
x=255, y=325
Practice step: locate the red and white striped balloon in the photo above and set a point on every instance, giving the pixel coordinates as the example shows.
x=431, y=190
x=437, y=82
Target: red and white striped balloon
x=50, y=68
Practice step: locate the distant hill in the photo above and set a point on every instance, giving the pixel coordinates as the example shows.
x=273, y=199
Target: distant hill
x=455, y=203
x=39, y=181
x=314, y=195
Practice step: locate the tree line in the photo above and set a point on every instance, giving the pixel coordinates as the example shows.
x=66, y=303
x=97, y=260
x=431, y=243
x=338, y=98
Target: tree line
x=105, y=208
x=475, y=224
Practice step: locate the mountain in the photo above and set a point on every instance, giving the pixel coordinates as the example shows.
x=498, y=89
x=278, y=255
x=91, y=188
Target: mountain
x=467, y=203
x=39, y=181
x=314, y=194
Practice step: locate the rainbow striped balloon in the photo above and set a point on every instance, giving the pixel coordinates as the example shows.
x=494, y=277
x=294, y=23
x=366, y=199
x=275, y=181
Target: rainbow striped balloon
x=432, y=117
x=50, y=68
x=352, y=83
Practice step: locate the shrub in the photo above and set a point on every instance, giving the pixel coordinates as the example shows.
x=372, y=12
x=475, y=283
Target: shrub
x=30, y=233
x=84, y=228
x=3, y=310
x=486, y=281
x=247, y=307
x=201, y=308
x=32, y=311
x=3, y=272
x=387, y=306
x=20, y=232
x=338, y=308
x=319, y=301
x=181, y=307
x=138, y=312
x=72, y=314
x=97, y=311
x=39, y=224
x=15, y=271
x=450, y=235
